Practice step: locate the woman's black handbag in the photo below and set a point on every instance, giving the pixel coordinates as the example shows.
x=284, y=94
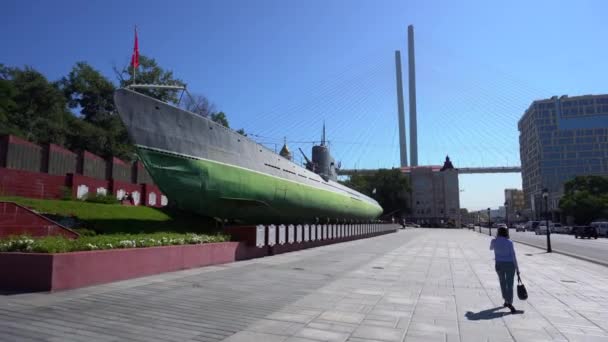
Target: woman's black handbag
x=522, y=293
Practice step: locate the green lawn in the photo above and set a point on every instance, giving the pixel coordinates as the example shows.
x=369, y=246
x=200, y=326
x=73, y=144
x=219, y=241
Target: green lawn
x=116, y=218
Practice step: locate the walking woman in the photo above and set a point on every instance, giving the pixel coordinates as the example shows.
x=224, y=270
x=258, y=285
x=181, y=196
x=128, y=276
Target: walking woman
x=506, y=265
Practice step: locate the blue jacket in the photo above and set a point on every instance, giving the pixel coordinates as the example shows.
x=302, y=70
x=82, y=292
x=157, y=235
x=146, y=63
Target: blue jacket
x=503, y=250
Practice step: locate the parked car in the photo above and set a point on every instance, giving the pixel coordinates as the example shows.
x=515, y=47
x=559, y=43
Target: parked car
x=541, y=229
x=601, y=227
x=531, y=226
x=585, y=231
x=520, y=228
x=558, y=228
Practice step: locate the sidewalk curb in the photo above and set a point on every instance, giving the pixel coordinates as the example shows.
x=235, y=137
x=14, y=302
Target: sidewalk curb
x=576, y=256
x=572, y=255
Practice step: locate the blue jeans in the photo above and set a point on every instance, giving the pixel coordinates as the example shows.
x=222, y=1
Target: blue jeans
x=506, y=274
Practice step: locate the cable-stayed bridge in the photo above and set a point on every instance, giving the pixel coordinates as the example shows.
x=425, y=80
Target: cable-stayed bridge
x=461, y=170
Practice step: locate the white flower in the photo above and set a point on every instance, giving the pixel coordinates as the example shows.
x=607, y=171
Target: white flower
x=91, y=246
x=127, y=243
x=194, y=239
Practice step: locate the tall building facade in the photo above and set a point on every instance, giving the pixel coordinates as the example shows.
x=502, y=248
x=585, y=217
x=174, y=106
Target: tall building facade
x=435, y=196
x=515, y=204
x=560, y=138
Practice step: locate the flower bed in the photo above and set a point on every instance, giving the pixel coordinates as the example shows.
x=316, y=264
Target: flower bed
x=101, y=242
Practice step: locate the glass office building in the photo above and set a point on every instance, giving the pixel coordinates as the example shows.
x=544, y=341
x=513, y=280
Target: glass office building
x=560, y=138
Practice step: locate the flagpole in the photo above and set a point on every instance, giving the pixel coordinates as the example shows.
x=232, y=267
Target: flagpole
x=134, y=67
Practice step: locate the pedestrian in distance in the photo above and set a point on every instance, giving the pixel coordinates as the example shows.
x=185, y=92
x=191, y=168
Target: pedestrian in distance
x=506, y=265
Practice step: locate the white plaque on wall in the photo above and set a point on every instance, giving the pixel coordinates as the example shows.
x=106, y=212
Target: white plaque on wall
x=272, y=235
x=135, y=196
x=82, y=191
x=299, y=233
x=260, y=235
x=306, y=233
x=291, y=233
x=282, y=232
x=152, y=199
x=120, y=194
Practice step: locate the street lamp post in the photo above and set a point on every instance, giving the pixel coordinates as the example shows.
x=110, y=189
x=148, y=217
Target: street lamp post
x=489, y=222
x=546, y=197
x=507, y=213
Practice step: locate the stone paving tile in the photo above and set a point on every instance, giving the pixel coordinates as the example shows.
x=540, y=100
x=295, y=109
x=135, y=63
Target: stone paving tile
x=377, y=323
x=379, y=333
x=275, y=327
x=293, y=317
x=439, y=327
x=298, y=339
x=322, y=335
x=342, y=317
x=332, y=326
x=250, y=336
x=429, y=336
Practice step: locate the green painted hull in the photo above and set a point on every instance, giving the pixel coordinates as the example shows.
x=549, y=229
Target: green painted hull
x=221, y=190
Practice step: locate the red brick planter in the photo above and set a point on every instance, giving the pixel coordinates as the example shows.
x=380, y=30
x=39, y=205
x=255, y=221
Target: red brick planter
x=61, y=271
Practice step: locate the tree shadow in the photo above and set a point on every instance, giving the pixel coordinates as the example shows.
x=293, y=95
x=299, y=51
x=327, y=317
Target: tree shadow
x=489, y=314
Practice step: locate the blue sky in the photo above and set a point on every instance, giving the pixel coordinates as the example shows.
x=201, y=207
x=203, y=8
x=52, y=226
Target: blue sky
x=280, y=68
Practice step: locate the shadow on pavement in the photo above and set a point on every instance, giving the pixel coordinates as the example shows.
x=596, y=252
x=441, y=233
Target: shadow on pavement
x=489, y=314
x=17, y=292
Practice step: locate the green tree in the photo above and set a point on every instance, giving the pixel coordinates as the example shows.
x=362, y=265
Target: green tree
x=83, y=135
x=88, y=90
x=149, y=72
x=389, y=187
x=7, y=103
x=220, y=118
x=32, y=107
x=585, y=198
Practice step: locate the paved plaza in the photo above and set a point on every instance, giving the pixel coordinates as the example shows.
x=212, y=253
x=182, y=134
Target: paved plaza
x=414, y=285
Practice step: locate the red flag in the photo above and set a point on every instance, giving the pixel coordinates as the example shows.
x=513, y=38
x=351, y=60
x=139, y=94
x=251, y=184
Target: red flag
x=135, y=56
